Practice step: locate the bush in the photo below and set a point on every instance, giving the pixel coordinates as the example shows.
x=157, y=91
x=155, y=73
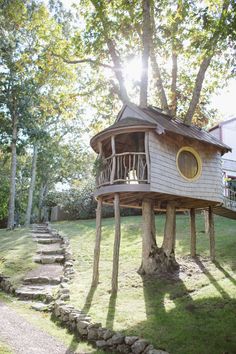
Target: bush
x=81, y=204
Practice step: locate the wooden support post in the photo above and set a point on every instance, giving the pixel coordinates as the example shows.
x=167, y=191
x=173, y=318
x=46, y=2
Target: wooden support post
x=193, y=231
x=116, y=249
x=212, y=234
x=113, y=170
x=97, y=243
x=206, y=219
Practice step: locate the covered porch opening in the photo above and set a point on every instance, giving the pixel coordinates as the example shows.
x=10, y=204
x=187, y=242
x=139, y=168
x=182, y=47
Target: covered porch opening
x=123, y=159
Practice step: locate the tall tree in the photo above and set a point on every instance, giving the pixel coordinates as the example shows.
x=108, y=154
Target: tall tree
x=171, y=36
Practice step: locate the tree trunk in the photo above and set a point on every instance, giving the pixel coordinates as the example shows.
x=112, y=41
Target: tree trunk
x=43, y=193
x=168, y=246
x=32, y=185
x=158, y=260
x=11, y=207
x=149, y=246
x=146, y=34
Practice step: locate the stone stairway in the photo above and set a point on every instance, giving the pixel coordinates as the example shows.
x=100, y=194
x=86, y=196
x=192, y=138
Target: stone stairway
x=42, y=283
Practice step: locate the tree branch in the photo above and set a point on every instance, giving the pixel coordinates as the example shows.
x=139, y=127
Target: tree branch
x=173, y=103
x=209, y=53
x=99, y=7
x=81, y=61
x=159, y=82
x=118, y=69
x=197, y=89
x=156, y=69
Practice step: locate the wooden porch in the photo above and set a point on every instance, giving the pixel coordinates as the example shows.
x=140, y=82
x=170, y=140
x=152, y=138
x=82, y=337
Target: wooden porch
x=126, y=168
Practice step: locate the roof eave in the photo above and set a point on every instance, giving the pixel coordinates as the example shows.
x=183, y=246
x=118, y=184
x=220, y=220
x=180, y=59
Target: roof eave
x=116, y=130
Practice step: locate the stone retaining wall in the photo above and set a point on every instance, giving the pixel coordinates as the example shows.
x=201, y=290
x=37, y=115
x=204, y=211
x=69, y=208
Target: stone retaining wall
x=103, y=338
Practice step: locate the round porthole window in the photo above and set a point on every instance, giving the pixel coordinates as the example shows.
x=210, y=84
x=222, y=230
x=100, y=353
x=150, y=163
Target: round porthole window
x=189, y=163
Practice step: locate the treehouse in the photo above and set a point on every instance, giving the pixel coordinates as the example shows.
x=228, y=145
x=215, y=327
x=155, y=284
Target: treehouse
x=148, y=160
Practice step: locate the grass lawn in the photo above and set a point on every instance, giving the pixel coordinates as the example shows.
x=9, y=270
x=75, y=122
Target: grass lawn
x=4, y=349
x=16, y=253
x=192, y=315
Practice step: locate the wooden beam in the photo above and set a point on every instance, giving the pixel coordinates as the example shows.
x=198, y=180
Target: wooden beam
x=116, y=249
x=212, y=234
x=97, y=243
x=193, y=231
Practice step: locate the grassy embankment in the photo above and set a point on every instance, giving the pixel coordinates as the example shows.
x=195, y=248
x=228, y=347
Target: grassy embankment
x=192, y=315
x=16, y=253
x=4, y=349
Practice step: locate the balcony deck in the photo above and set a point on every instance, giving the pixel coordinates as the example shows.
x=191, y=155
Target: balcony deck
x=126, y=168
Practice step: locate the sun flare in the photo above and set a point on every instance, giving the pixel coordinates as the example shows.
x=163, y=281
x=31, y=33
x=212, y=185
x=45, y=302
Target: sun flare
x=132, y=70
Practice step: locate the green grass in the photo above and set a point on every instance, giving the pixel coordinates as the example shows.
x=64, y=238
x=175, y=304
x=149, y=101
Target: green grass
x=193, y=315
x=43, y=321
x=16, y=253
x=4, y=349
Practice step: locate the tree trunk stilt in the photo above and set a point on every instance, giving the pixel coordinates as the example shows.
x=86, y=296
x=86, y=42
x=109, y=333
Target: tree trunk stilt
x=97, y=243
x=169, y=263
x=206, y=219
x=193, y=232
x=212, y=234
x=116, y=249
x=158, y=260
x=149, y=246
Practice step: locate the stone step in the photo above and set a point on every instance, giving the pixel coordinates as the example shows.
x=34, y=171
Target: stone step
x=46, y=235
x=48, y=241
x=49, y=259
x=40, y=306
x=48, y=252
x=42, y=231
x=36, y=292
x=42, y=280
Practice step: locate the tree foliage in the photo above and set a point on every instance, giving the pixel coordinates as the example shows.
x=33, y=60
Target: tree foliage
x=186, y=49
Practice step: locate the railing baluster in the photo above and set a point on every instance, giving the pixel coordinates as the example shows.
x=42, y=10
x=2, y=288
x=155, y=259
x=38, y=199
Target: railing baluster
x=127, y=167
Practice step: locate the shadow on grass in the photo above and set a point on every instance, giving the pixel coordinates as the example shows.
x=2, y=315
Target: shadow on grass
x=89, y=299
x=227, y=275
x=213, y=281
x=111, y=311
x=179, y=324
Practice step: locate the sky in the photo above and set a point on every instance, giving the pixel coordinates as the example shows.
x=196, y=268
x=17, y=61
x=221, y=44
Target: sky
x=225, y=101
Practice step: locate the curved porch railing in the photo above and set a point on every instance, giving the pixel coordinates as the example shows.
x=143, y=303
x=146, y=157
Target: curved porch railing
x=230, y=198
x=127, y=167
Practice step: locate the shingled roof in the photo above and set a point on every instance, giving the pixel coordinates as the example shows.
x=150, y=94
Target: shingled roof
x=155, y=118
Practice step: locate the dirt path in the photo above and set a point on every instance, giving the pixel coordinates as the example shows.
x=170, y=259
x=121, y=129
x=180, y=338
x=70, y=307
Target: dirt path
x=23, y=338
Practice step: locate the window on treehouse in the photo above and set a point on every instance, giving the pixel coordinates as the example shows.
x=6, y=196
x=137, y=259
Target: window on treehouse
x=189, y=163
